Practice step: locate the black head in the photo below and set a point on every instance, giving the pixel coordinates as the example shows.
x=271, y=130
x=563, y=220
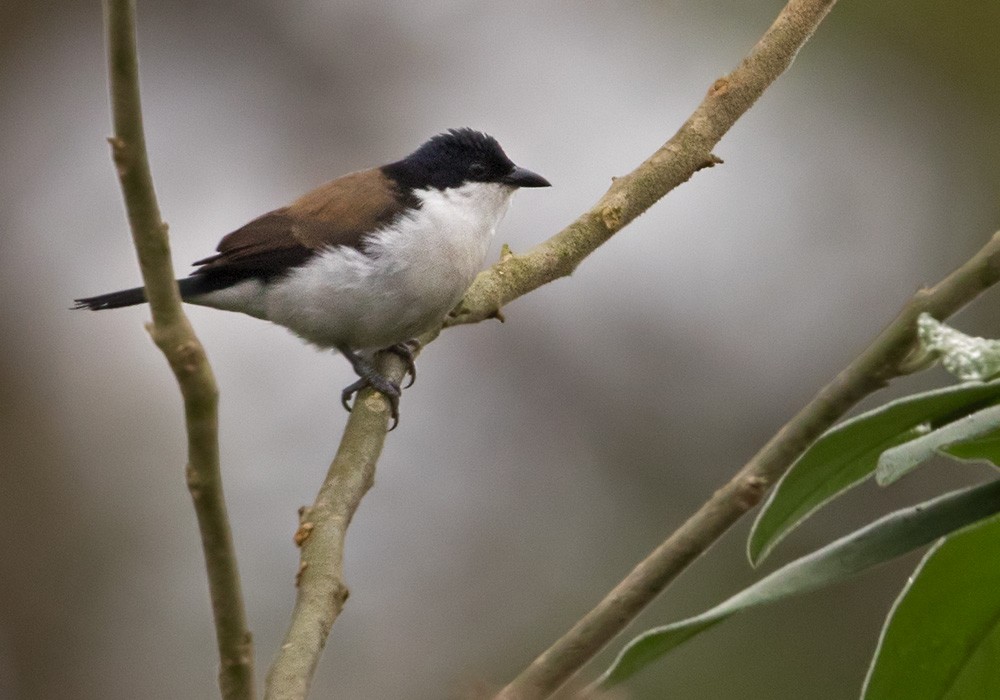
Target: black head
x=459, y=156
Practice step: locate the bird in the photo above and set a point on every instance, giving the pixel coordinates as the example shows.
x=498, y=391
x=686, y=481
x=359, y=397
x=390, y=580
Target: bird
x=366, y=262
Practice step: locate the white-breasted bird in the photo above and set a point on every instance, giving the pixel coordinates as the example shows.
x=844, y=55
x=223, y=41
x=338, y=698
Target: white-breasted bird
x=368, y=261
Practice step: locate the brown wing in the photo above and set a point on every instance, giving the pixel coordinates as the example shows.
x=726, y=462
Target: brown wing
x=340, y=212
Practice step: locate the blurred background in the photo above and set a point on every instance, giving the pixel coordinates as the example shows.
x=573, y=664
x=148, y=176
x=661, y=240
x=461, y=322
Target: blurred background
x=536, y=461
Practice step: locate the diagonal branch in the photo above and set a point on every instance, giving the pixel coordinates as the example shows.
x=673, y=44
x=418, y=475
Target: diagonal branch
x=688, y=151
x=174, y=336
x=674, y=163
x=890, y=355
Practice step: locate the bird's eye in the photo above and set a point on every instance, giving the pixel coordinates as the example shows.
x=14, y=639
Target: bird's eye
x=477, y=170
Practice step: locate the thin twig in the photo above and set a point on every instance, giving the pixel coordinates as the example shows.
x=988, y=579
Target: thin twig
x=322, y=529
x=173, y=334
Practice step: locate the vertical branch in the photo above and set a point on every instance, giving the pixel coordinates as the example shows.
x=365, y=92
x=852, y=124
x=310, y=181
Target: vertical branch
x=173, y=334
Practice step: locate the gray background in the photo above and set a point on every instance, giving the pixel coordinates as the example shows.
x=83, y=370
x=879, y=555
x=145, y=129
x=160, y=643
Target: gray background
x=536, y=461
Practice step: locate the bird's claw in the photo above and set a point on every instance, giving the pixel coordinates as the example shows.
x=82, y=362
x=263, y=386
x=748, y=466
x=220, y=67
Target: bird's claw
x=390, y=390
x=369, y=377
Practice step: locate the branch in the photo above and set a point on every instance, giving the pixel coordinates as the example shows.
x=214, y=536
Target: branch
x=727, y=99
x=322, y=591
x=322, y=529
x=688, y=151
x=890, y=355
x=173, y=334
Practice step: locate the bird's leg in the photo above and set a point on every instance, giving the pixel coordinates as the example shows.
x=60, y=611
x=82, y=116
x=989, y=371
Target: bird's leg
x=370, y=377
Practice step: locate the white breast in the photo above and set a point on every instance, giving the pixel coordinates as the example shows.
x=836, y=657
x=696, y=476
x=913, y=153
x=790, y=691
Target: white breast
x=409, y=276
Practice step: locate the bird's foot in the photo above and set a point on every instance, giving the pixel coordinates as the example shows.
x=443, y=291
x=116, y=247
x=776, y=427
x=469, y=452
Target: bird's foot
x=406, y=351
x=369, y=377
x=389, y=389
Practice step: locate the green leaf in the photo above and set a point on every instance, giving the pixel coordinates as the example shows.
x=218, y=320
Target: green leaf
x=847, y=454
x=889, y=537
x=942, y=639
x=902, y=459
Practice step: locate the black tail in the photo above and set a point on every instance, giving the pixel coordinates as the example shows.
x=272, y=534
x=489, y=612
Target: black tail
x=114, y=300
x=190, y=287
